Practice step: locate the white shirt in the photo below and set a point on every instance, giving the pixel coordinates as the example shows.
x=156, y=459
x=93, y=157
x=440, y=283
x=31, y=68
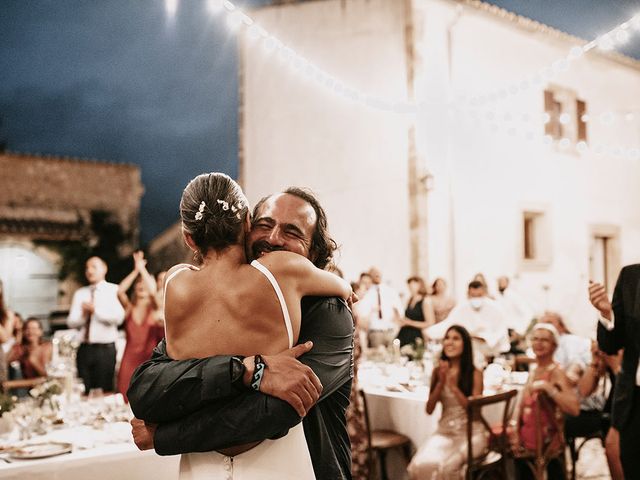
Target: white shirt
x=390, y=307
x=517, y=311
x=108, y=313
x=488, y=323
x=609, y=326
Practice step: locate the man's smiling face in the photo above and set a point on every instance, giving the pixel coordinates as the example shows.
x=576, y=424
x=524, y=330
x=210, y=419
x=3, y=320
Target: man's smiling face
x=283, y=222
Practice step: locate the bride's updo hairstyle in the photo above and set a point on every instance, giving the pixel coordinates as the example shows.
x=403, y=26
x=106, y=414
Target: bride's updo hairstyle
x=213, y=210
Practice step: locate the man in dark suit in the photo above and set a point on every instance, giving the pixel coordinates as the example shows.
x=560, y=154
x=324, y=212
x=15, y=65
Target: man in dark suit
x=619, y=327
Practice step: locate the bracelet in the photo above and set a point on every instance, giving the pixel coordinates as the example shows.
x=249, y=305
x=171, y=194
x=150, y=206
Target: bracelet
x=258, y=371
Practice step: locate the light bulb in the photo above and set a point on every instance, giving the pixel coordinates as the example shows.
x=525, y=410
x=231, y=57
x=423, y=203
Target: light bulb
x=581, y=146
x=565, y=118
x=576, y=52
x=622, y=36
x=234, y=20
x=546, y=118
x=584, y=118
x=214, y=6
x=629, y=117
x=606, y=118
x=564, y=143
x=605, y=42
x=547, y=139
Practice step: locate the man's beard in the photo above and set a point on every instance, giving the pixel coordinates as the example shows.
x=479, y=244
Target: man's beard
x=261, y=247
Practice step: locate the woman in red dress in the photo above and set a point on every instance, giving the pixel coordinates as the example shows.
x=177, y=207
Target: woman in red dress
x=142, y=324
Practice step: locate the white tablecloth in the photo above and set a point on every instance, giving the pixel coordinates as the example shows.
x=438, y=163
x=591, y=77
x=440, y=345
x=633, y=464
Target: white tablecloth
x=107, y=454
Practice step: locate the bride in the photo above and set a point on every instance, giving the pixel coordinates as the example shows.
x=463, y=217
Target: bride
x=229, y=307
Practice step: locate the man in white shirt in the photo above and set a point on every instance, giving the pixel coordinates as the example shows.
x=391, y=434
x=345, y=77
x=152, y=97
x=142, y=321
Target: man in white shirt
x=380, y=311
x=517, y=310
x=96, y=312
x=484, y=320
x=619, y=327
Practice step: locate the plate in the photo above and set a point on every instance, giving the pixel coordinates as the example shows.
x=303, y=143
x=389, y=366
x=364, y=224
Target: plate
x=41, y=450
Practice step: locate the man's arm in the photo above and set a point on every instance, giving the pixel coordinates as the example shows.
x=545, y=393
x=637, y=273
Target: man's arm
x=253, y=416
x=611, y=329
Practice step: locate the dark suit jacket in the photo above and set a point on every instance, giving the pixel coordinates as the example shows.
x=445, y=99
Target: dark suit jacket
x=625, y=334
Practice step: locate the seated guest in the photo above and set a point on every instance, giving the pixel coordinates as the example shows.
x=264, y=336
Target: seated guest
x=442, y=303
x=454, y=379
x=484, y=321
x=33, y=352
x=418, y=314
x=574, y=352
x=549, y=387
x=141, y=324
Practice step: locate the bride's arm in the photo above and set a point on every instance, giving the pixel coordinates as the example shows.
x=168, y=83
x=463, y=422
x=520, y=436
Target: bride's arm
x=311, y=281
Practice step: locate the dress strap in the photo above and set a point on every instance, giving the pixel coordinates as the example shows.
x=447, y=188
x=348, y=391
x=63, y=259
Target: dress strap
x=171, y=277
x=283, y=305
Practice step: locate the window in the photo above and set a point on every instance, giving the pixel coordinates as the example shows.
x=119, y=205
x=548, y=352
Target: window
x=565, y=115
x=604, y=257
x=536, y=247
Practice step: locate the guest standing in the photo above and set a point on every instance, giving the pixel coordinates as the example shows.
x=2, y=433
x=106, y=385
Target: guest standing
x=33, y=352
x=142, y=328
x=442, y=303
x=454, y=379
x=619, y=327
x=96, y=312
x=418, y=314
x=7, y=336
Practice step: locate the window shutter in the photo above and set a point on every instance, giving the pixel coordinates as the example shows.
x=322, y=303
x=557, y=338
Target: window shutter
x=581, y=109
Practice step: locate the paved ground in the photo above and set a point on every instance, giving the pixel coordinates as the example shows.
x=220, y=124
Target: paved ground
x=592, y=464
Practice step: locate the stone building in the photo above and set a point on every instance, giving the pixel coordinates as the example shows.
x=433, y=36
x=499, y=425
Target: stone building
x=52, y=200
x=519, y=155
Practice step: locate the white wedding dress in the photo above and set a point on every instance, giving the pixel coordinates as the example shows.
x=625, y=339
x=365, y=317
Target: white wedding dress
x=286, y=458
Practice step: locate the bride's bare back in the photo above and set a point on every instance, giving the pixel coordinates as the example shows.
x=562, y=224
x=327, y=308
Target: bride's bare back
x=228, y=307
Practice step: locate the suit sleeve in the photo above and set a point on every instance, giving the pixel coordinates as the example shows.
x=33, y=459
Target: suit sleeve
x=253, y=416
x=610, y=341
x=163, y=389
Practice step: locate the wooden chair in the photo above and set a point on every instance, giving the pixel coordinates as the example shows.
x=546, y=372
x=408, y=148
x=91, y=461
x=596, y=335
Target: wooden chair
x=495, y=458
x=380, y=441
x=539, y=458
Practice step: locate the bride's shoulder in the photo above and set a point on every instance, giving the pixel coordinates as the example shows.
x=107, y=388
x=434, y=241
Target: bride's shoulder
x=284, y=261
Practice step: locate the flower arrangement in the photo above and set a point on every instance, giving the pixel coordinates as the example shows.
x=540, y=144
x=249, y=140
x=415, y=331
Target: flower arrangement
x=415, y=351
x=45, y=393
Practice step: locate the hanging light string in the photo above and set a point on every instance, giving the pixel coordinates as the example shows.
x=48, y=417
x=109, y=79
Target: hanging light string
x=237, y=19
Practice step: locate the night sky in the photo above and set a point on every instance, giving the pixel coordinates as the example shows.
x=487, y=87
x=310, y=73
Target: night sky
x=118, y=80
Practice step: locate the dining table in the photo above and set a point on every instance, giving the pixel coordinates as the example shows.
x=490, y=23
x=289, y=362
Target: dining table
x=98, y=450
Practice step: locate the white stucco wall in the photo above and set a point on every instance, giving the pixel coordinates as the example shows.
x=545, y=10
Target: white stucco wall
x=485, y=175
x=296, y=133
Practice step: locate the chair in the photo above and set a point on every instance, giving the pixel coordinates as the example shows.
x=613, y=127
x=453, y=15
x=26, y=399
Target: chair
x=380, y=441
x=539, y=458
x=498, y=441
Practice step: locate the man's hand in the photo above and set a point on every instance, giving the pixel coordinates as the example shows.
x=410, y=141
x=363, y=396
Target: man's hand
x=288, y=379
x=599, y=299
x=143, y=433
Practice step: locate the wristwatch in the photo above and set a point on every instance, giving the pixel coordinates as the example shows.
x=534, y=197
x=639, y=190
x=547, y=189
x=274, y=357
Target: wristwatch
x=237, y=372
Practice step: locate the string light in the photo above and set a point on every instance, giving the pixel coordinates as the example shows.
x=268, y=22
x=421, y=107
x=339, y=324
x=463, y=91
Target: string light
x=236, y=18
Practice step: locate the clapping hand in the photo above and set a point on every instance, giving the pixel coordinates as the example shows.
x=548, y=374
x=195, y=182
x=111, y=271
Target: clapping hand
x=599, y=299
x=443, y=371
x=138, y=261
